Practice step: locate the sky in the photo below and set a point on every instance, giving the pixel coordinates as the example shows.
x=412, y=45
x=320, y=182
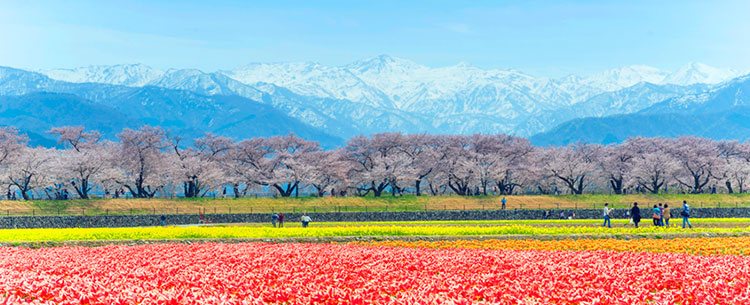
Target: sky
x=544, y=38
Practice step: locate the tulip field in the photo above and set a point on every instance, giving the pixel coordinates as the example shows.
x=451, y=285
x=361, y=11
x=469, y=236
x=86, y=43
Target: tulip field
x=435, y=262
x=299, y=273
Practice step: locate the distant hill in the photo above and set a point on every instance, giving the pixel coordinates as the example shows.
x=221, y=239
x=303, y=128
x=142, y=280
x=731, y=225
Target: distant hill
x=733, y=124
x=720, y=113
x=182, y=113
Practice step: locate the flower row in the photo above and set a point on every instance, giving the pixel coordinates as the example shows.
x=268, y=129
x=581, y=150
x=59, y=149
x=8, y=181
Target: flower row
x=697, y=245
x=219, y=232
x=260, y=273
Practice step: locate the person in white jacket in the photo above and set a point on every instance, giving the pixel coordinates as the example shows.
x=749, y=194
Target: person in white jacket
x=305, y=220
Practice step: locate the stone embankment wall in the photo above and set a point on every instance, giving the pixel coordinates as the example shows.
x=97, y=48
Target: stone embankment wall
x=186, y=219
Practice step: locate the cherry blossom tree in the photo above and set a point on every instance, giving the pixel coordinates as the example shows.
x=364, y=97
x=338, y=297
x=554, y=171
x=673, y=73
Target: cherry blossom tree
x=378, y=163
x=327, y=171
x=143, y=166
x=276, y=162
x=148, y=163
x=734, y=165
x=287, y=169
x=84, y=161
x=698, y=161
x=199, y=167
x=11, y=143
x=652, y=165
x=424, y=153
x=513, y=156
x=459, y=166
x=616, y=164
x=246, y=165
x=573, y=165
x=31, y=170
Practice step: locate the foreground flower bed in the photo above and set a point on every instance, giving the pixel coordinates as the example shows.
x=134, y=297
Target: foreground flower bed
x=256, y=273
x=229, y=232
x=693, y=245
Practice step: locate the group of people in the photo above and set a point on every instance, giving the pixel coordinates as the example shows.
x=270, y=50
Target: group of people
x=661, y=215
x=277, y=220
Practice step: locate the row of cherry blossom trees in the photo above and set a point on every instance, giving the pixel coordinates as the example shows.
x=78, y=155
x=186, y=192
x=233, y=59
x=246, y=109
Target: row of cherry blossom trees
x=147, y=162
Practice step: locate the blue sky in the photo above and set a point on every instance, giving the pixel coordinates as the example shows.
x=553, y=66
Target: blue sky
x=545, y=38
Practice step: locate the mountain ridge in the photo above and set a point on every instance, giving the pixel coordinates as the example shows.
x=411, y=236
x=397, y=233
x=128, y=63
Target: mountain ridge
x=406, y=95
x=386, y=93
x=721, y=112
x=185, y=112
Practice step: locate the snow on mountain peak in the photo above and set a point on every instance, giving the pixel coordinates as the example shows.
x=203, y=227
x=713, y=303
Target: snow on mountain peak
x=695, y=72
x=134, y=75
x=382, y=63
x=623, y=77
x=460, y=97
x=311, y=79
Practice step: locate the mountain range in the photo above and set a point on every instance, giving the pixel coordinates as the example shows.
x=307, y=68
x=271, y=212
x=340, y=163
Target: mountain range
x=384, y=93
x=719, y=112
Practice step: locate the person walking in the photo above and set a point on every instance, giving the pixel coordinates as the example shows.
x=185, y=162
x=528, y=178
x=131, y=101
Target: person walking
x=281, y=220
x=685, y=215
x=305, y=220
x=163, y=220
x=666, y=215
x=274, y=219
x=607, y=216
x=655, y=215
x=635, y=214
x=661, y=215
x=503, y=202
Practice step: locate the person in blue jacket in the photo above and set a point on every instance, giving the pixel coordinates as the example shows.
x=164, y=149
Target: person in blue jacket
x=685, y=215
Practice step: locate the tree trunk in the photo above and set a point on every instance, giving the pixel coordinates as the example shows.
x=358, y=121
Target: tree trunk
x=616, y=184
x=286, y=191
x=25, y=194
x=83, y=189
x=378, y=189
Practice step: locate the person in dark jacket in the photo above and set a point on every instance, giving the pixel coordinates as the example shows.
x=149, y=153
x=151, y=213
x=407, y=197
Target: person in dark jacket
x=635, y=214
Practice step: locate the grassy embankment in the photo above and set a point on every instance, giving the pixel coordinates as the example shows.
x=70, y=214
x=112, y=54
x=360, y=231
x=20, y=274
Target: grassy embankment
x=352, y=204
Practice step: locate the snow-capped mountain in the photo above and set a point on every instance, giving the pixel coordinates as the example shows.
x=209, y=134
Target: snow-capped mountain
x=411, y=86
x=619, y=78
x=722, y=97
x=312, y=79
x=694, y=73
x=720, y=112
x=34, y=103
x=690, y=74
x=387, y=93
x=133, y=75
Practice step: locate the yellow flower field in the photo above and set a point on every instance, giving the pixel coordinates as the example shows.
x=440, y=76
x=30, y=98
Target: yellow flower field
x=345, y=230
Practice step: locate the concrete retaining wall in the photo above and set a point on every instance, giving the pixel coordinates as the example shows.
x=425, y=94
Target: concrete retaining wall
x=153, y=220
